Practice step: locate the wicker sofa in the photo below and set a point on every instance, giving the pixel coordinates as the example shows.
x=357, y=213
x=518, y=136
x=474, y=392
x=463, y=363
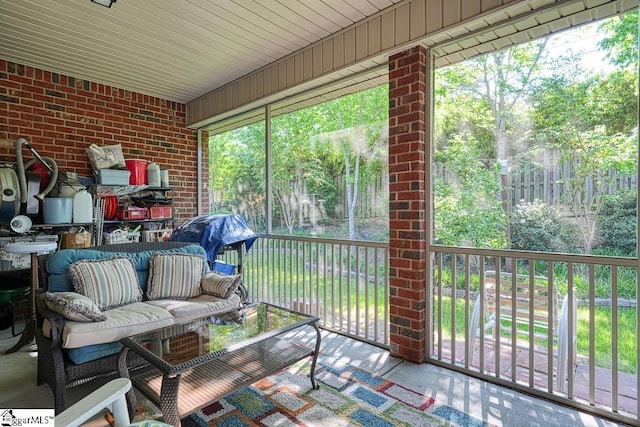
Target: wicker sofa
x=72, y=352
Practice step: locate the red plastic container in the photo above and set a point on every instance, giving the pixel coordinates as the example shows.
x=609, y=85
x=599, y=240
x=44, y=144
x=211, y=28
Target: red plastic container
x=160, y=212
x=138, y=168
x=133, y=212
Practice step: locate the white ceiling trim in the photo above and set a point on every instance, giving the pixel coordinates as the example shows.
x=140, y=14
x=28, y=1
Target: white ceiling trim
x=172, y=49
x=501, y=28
x=258, y=51
x=515, y=29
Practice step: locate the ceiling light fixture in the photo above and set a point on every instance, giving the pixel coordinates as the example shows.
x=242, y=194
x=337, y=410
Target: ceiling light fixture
x=106, y=3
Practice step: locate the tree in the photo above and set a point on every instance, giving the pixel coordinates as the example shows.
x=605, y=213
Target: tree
x=593, y=122
x=355, y=128
x=237, y=173
x=289, y=197
x=466, y=209
x=621, y=42
x=591, y=119
x=462, y=111
x=483, y=101
x=292, y=164
x=362, y=142
x=312, y=148
x=493, y=86
x=596, y=145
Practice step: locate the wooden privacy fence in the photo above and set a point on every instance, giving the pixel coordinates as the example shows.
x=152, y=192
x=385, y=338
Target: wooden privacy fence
x=373, y=198
x=542, y=178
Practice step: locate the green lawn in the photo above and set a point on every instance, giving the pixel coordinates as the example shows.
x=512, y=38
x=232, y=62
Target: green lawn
x=626, y=340
x=352, y=297
x=627, y=337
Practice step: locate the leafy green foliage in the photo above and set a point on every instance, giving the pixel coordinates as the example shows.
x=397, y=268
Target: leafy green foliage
x=565, y=106
x=591, y=123
x=622, y=41
x=617, y=223
x=613, y=102
x=237, y=174
x=459, y=111
x=342, y=140
x=528, y=100
x=484, y=97
x=467, y=211
x=537, y=226
x=312, y=149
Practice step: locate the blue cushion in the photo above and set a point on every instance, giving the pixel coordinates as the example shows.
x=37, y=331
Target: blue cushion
x=223, y=267
x=92, y=352
x=58, y=263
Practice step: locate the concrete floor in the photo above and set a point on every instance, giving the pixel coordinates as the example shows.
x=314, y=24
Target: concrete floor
x=494, y=404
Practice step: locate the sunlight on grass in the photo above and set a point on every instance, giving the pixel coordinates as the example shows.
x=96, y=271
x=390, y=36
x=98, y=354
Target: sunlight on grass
x=357, y=303
x=626, y=339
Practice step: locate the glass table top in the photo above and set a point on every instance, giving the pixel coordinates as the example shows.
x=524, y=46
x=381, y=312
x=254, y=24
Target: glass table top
x=179, y=347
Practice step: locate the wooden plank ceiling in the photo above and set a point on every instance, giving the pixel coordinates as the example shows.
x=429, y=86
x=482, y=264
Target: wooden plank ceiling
x=182, y=50
x=172, y=49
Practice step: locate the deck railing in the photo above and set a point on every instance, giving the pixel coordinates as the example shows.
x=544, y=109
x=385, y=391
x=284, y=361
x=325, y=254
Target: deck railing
x=583, y=353
x=345, y=283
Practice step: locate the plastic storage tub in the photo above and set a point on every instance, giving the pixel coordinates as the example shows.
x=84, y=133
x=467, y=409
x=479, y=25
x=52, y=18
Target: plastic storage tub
x=132, y=213
x=57, y=210
x=113, y=177
x=160, y=212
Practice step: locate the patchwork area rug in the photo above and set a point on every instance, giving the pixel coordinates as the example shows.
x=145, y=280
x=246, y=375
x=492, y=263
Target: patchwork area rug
x=347, y=397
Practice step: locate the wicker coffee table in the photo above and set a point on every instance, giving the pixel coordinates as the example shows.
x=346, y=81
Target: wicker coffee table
x=190, y=366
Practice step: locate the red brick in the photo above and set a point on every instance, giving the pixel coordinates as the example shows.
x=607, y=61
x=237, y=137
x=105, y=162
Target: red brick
x=411, y=117
x=407, y=166
x=410, y=79
x=100, y=115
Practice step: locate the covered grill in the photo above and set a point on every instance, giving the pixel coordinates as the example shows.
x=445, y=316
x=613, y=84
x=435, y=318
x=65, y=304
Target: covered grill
x=217, y=233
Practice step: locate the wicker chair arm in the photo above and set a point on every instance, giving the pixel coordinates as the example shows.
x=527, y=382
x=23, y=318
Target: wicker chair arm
x=55, y=320
x=242, y=292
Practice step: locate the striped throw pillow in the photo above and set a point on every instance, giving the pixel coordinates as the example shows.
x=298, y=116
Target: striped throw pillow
x=220, y=285
x=109, y=282
x=175, y=276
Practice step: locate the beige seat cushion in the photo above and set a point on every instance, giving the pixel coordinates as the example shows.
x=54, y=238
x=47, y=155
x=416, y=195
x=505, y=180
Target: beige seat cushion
x=200, y=306
x=121, y=322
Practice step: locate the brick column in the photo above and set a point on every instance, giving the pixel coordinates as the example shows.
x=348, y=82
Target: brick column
x=407, y=204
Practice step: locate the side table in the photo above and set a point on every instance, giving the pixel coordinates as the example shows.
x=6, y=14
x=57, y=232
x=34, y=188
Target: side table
x=33, y=248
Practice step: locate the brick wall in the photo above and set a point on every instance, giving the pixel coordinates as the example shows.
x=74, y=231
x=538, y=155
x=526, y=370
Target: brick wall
x=407, y=206
x=62, y=115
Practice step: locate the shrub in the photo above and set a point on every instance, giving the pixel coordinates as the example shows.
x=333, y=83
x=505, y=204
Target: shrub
x=537, y=227
x=617, y=222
